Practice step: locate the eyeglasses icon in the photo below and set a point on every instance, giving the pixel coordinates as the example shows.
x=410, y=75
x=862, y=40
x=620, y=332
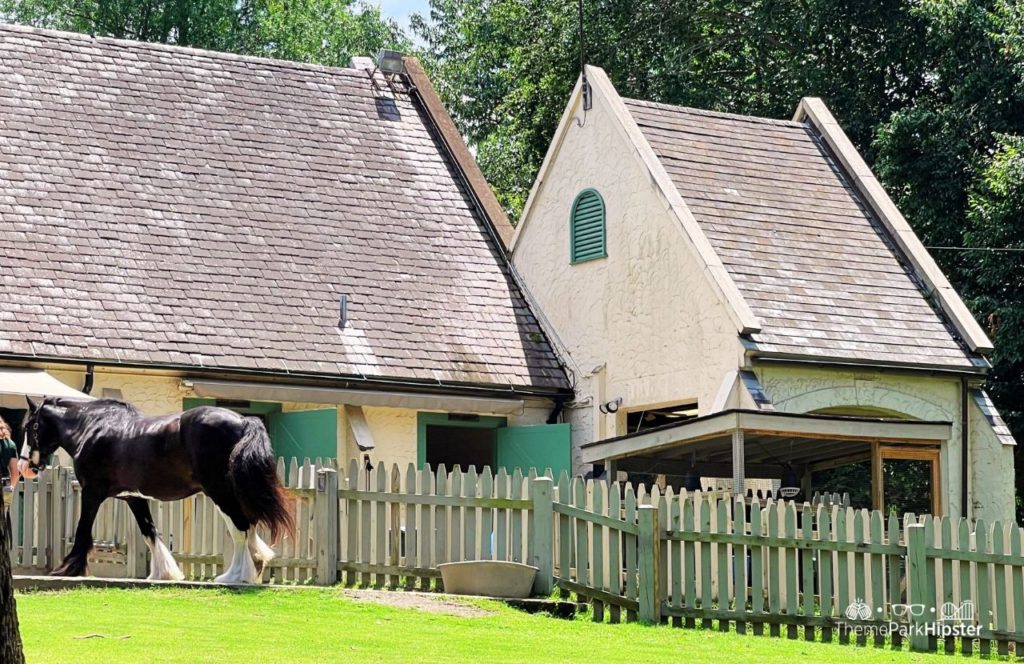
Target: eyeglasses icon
x=902, y=610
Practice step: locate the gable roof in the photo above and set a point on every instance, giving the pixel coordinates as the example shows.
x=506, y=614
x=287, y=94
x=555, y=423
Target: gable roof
x=169, y=206
x=814, y=263
x=803, y=247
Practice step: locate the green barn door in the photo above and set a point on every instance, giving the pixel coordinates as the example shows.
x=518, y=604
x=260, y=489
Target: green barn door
x=541, y=446
x=304, y=433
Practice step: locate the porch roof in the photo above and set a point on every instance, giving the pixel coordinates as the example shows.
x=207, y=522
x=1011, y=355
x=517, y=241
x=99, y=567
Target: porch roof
x=769, y=438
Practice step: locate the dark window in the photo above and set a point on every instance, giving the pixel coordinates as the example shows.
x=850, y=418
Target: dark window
x=460, y=446
x=641, y=420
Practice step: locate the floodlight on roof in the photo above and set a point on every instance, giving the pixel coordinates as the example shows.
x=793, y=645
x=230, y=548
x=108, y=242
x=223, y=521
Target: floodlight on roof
x=391, y=62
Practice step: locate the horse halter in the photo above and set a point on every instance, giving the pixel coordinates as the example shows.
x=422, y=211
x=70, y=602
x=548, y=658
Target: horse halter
x=34, y=444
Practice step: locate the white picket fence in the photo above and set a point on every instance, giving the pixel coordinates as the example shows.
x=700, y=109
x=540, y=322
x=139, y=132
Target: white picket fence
x=704, y=557
x=45, y=512
x=377, y=528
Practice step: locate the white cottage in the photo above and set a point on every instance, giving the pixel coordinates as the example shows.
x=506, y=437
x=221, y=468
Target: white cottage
x=738, y=297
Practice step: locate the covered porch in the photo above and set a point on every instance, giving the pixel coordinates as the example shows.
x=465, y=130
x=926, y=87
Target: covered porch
x=741, y=444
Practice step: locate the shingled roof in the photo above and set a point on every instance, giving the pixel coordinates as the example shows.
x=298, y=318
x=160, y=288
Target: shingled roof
x=169, y=206
x=809, y=257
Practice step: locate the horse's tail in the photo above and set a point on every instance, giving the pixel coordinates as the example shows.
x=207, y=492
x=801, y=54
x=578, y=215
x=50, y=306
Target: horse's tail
x=253, y=470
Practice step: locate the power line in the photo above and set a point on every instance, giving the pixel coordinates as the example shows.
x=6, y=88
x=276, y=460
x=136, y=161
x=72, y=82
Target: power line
x=1011, y=250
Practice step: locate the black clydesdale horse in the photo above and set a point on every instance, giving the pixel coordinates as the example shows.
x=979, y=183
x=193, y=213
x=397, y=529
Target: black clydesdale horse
x=120, y=453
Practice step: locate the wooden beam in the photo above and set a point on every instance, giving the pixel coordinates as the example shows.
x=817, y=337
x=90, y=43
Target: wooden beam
x=829, y=464
x=918, y=453
x=789, y=425
x=703, y=468
x=877, y=478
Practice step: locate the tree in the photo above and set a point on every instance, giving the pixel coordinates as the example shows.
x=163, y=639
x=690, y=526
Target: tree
x=10, y=638
x=326, y=32
x=996, y=280
x=505, y=67
x=952, y=161
x=212, y=24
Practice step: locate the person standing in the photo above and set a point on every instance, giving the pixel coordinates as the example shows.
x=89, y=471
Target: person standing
x=9, y=475
x=10, y=638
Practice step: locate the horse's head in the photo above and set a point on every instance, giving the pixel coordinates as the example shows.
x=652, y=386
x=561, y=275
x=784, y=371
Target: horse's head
x=43, y=434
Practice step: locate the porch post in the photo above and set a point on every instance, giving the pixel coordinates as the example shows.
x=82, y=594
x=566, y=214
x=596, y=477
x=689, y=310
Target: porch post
x=611, y=469
x=738, y=470
x=877, y=478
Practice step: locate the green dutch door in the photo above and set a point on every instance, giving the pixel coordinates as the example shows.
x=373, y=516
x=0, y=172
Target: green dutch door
x=540, y=446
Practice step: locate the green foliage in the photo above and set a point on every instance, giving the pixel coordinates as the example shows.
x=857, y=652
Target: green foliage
x=996, y=281
x=505, y=67
x=205, y=23
x=952, y=160
x=327, y=32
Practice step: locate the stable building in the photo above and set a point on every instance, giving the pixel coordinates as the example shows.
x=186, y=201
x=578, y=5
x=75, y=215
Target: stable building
x=313, y=246
x=737, y=297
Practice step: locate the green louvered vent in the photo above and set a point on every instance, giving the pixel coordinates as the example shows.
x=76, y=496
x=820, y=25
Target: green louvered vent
x=587, y=236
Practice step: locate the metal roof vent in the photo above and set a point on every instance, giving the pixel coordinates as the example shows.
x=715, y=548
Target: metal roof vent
x=342, y=311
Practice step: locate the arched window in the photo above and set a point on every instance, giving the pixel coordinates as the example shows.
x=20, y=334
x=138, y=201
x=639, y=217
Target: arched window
x=587, y=238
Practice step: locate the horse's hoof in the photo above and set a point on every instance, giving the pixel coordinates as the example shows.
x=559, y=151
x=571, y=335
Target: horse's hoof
x=164, y=577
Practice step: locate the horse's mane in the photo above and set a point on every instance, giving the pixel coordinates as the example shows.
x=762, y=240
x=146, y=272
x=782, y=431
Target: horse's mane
x=90, y=415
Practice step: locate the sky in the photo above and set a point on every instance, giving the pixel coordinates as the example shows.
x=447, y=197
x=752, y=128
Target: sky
x=400, y=10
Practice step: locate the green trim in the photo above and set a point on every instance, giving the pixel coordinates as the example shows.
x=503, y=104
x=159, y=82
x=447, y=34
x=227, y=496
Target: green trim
x=590, y=223
x=423, y=420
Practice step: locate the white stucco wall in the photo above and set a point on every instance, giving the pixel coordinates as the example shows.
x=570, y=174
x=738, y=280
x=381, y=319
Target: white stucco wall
x=646, y=313
x=927, y=397
x=394, y=429
x=993, y=492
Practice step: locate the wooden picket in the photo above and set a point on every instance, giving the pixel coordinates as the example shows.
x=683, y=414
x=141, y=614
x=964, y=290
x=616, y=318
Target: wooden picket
x=428, y=518
x=596, y=534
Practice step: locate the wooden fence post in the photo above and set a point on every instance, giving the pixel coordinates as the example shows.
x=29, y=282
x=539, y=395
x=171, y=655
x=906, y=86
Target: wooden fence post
x=327, y=517
x=649, y=547
x=56, y=517
x=919, y=586
x=541, y=492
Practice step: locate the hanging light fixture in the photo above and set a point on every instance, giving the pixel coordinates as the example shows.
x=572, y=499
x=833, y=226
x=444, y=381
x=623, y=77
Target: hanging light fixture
x=691, y=480
x=790, y=482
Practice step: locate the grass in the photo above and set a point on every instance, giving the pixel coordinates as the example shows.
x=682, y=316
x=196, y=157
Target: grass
x=323, y=625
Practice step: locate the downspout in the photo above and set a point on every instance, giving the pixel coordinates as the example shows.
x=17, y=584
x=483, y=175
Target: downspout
x=965, y=435
x=90, y=376
x=556, y=412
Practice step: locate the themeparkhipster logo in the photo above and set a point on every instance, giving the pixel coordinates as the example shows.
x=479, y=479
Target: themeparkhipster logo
x=947, y=620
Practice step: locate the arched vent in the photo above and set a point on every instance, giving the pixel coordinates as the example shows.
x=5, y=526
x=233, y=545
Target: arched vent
x=587, y=237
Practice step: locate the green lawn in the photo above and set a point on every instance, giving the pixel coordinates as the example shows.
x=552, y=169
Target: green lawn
x=323, y=625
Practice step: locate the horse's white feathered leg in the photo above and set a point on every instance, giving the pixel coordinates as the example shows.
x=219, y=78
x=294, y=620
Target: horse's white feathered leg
x=163, y=567
x=260, y=550
x=242, y=569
